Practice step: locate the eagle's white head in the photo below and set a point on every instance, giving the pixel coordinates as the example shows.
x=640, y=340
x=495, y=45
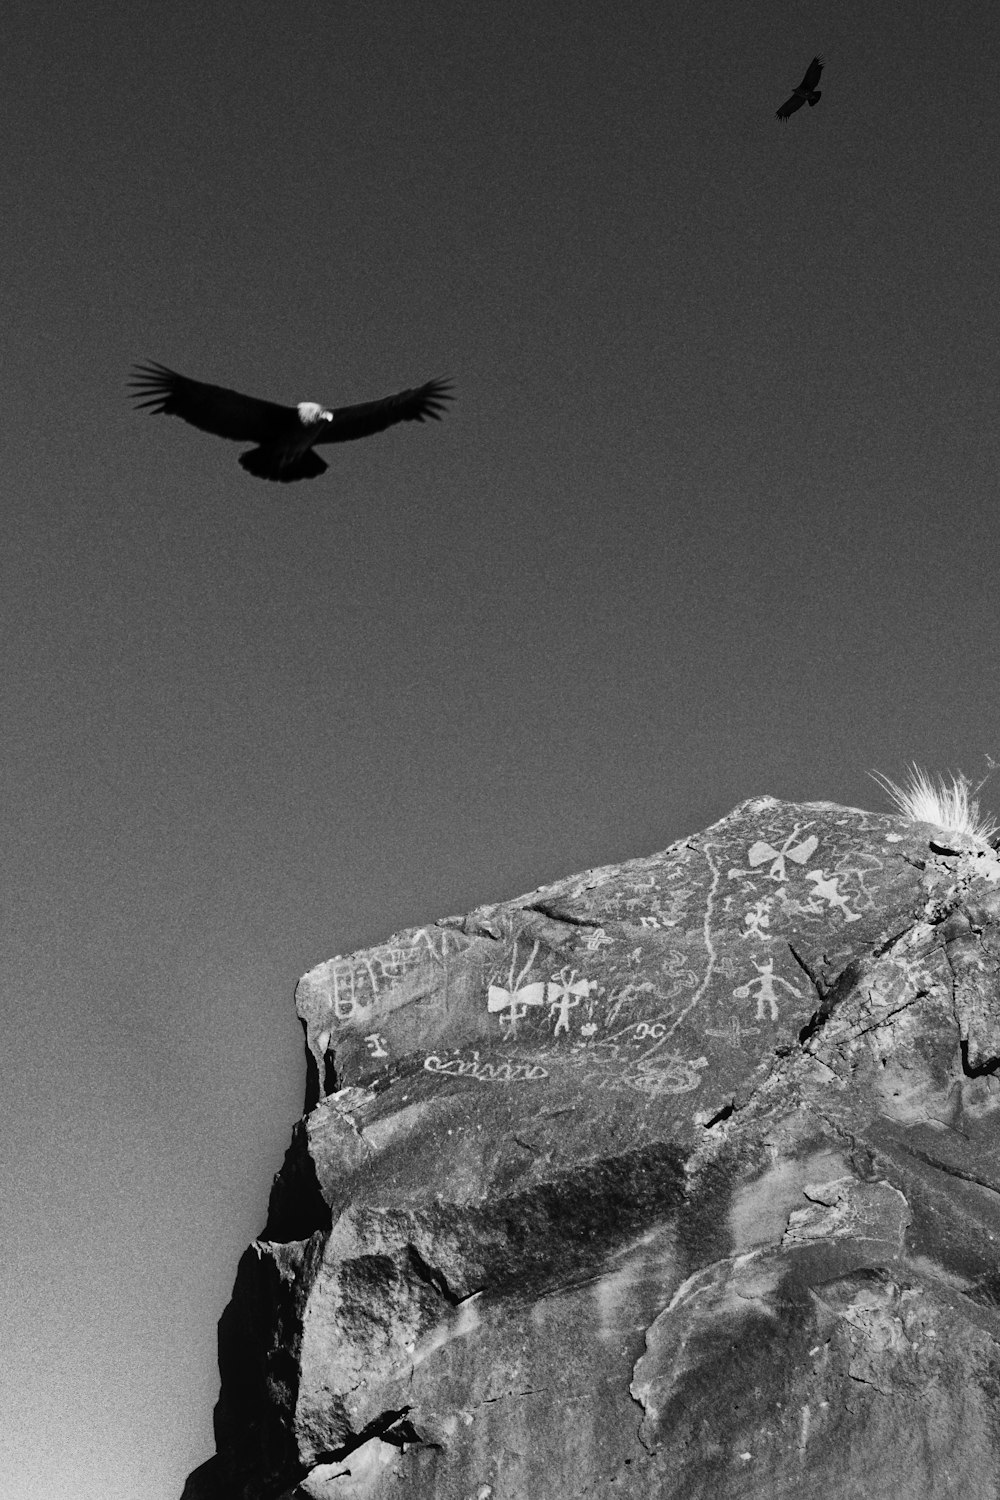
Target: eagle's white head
x=311, y=414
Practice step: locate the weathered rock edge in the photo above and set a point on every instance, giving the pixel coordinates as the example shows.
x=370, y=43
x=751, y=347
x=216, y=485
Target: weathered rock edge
x=679, y=1178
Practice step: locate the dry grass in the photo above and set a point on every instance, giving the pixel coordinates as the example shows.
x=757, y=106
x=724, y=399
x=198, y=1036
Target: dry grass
x=947, y=802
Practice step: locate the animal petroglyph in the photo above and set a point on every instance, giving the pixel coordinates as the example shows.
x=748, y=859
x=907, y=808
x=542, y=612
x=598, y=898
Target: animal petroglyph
x=486, y=1072
x=826, y=890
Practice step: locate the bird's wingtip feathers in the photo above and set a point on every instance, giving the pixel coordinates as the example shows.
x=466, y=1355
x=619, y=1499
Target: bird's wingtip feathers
x=436, y=394
x=152, y=384
x=150, y=370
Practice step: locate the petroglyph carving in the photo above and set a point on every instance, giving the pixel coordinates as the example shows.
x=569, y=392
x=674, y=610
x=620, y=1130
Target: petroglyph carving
x=598, y=939
x=800, y=853
x=486, y=1072
x=674, y=969
x=563, y=993
x=672, y=907
x=354, y=992
x=764, y=985
x=628, y=994
x=758, y=920
x=734, y=1032
x=706, y=979
x=670, y=1074
x=861, y=867
x=826, y=890
x=517, y=997
x=357, y=982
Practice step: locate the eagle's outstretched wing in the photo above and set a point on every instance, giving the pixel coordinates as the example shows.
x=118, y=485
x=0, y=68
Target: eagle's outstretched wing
x=213, y=408
x=811, y=79
x=789, y=107
x=349, y=422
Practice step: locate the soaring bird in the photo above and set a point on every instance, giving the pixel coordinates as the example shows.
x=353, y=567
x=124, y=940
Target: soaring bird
x=806, y=93
x=285, y=436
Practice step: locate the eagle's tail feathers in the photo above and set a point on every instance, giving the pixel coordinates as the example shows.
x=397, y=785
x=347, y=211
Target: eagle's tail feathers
x=270, y=463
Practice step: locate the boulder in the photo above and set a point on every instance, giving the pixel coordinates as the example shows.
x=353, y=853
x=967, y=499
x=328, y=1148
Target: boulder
x=677, y=1178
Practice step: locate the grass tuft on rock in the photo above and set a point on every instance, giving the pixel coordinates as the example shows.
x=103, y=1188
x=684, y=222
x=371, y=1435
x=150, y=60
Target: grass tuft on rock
x=948, y=802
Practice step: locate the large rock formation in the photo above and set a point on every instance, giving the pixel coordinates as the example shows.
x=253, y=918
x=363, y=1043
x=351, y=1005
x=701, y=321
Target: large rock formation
x=678, y=1178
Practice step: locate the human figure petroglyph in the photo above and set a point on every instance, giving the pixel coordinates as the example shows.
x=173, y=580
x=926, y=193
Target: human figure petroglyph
x=764, y=985
x=564, y=993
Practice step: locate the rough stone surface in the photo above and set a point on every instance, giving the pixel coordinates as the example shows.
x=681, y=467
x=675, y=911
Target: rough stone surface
x=679, y=1178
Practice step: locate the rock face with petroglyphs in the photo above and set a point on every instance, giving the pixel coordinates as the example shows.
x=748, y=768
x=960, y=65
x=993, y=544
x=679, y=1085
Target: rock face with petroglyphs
x=678, y=1178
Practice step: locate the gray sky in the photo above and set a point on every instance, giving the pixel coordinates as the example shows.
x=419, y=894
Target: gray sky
x=713, y=515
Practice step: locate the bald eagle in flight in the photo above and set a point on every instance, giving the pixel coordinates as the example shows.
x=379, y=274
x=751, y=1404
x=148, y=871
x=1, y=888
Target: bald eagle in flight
x=806, y=93
x=285, y=436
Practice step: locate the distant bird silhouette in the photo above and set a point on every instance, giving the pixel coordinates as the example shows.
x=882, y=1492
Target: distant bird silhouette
x=285, y=435
x=806, y=93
